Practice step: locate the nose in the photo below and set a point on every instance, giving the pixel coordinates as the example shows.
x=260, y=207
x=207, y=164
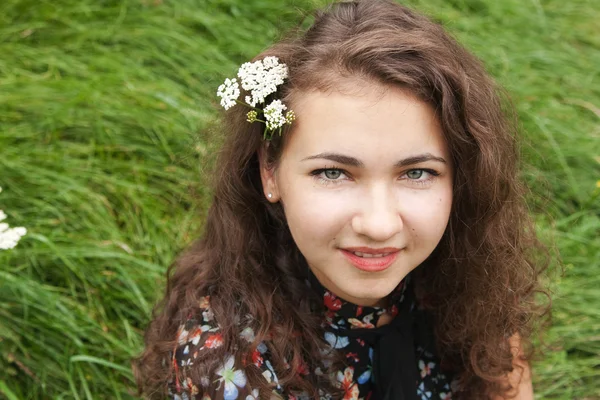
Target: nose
x=378, y=216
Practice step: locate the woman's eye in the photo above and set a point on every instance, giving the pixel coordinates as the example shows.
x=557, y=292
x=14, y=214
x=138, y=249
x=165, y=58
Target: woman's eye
x=332, y=174
x=415, y=173
x=422, y=176
x=328, y=175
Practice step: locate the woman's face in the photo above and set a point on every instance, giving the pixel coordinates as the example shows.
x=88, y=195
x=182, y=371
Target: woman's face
x=366, y=184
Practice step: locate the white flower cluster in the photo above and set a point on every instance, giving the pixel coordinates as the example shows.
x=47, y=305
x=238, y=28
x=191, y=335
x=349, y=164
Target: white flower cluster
x=274, y=114
x=9, y=237
x=260, y=79
x=228, y=92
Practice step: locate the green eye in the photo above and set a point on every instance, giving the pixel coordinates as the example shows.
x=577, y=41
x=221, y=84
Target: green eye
x=415, y=173
x=332, y=173
x=329, y=176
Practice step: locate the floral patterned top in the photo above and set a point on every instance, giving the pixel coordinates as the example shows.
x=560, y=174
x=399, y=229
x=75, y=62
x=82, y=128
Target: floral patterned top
x=347, y=328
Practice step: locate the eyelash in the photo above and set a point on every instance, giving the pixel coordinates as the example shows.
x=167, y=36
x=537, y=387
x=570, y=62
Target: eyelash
x=433, y=174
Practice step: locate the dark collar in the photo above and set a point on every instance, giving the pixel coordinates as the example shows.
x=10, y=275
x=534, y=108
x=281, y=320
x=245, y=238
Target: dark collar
x=342, y=314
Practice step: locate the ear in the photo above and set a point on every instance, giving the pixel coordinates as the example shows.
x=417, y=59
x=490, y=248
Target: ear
x=268, y=176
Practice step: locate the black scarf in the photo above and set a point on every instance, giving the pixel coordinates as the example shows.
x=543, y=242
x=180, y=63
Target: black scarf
x=394, y=361
x=394, y=366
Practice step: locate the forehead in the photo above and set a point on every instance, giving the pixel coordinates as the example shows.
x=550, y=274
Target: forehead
x=373, y=123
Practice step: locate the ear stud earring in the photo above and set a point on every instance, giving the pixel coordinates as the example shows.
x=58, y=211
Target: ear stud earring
x=269, y=195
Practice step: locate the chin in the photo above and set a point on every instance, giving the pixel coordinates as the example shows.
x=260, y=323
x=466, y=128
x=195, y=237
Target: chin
x=373, y=295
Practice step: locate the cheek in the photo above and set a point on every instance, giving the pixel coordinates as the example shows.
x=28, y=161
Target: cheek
x=426, y=214
x=314, y=215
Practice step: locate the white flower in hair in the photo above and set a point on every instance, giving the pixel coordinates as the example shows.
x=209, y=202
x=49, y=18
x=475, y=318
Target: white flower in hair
x=228, y=92
x=9, y=237
x=274, y=114
x=270, y=62
x=260, y=79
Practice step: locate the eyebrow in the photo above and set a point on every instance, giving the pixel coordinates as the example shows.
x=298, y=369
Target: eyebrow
x=354, y=162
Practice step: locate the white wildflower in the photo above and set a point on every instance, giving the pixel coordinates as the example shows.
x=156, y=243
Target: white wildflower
x=228, y=92
x=9, y=237
x=261, y=78
x=270, y=62
x=274, y=114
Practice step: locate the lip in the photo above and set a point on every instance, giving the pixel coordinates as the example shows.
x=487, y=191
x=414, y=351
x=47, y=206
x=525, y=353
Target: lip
x=373, y=264
x=371, y=250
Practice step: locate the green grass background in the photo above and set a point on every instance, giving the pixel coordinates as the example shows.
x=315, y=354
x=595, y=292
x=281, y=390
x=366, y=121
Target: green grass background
x=105, y=115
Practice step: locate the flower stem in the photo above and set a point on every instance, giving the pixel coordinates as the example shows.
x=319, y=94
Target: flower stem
x=248, y=105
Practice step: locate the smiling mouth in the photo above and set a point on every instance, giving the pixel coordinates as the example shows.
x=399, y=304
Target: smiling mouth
x=370, y=262
x=369, y=255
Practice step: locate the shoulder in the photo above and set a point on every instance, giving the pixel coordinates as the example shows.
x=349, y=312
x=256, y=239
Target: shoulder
x=202, y=370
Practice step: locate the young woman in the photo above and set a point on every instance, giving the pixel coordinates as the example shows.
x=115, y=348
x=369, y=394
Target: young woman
x=377, y=246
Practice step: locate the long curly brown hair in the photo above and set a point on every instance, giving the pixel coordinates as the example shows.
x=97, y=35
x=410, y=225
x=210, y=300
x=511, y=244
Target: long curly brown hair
x=480, y=283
